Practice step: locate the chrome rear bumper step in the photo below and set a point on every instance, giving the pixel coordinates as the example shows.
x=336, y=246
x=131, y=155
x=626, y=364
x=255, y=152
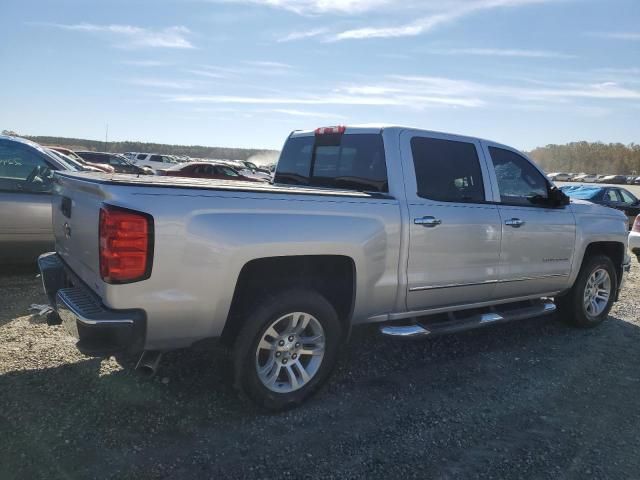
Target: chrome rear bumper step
x=459, y=322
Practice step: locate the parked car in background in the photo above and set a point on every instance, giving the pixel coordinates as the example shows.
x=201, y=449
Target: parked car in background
x=585, y=178
x=119, y=163
x=26, y=181
x=636, y=181
x=154, y=161
x=80, y=165
x=614, y=197
x=559, y=177
x=216, y=171
x=78, y=158
x=634, y=238
x=422, y=232
x=614, y=179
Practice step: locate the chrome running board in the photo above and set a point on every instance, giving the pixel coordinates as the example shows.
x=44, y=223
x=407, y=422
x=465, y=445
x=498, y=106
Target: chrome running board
x=455, y=322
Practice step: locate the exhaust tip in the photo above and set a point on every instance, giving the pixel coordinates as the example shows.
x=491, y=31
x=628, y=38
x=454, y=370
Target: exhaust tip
x=148, y=364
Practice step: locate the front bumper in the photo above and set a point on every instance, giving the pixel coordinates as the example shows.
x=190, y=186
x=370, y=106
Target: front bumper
x=100, y=331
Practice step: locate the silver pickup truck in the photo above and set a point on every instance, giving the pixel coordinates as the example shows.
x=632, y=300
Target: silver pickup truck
x=424, y=233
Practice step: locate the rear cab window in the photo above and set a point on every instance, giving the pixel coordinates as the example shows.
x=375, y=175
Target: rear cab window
x=343, y=161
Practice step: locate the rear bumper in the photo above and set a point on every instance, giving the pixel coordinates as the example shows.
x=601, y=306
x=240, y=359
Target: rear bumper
x=100, y=331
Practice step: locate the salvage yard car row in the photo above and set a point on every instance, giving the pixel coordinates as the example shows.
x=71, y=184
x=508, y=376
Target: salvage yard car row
x=26, y=182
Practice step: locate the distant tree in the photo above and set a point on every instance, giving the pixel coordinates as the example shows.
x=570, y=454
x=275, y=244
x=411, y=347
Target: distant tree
x=587, y=157
x=195, y=151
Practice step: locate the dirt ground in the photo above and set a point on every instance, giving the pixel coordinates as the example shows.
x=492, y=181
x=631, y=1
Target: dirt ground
x=533, y=399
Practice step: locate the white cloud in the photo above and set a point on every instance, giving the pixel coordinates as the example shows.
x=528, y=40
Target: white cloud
x=306, y=113
x=129, y=36
x=312, y=7
x=266, y=64
x=159, y=83
x=496, y=52
x=302, y=35
x=206, y=73
x=450, y=12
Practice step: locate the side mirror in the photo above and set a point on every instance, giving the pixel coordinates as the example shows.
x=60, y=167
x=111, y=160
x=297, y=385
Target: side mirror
x=557, y=198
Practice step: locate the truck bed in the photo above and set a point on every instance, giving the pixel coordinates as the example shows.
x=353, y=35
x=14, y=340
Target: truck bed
x=121, y=179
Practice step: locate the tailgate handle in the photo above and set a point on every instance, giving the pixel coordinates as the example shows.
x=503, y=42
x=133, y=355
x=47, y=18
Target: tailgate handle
x=65, y=207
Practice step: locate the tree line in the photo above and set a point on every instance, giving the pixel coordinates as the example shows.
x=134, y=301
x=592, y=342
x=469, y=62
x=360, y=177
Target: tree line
x=194, y=151
x=587, y=157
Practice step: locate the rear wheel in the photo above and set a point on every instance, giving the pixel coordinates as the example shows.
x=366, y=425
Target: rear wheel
x=590, y=299
x=287, y=348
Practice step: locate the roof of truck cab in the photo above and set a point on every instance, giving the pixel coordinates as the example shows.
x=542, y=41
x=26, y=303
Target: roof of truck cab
x=379, y=127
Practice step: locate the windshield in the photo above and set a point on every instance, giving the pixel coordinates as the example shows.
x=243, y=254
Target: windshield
x=66, y=162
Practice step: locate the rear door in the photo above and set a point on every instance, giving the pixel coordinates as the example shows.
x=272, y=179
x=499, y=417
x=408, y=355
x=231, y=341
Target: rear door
x=25, y=197
x=454, y=233
x=537, y=241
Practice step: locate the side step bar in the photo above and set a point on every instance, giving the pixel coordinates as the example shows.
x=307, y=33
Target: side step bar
x=460, y=323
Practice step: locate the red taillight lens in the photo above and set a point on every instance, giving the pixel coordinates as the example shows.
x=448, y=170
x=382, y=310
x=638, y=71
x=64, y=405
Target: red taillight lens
x=339, y=130
x=126, y=245
x=636, y=224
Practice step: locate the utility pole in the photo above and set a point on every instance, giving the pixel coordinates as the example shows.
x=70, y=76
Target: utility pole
x=106, y=137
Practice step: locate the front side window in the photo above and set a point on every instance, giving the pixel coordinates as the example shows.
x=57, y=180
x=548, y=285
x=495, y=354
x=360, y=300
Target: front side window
x=22, y=170
x=627, y=198
x=141, y=156
x=351, y=162
x=447, y=171
x=227, y=172
x=519, y=182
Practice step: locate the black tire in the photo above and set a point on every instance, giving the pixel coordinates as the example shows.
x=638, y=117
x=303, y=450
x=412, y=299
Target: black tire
x=571, y=306
x=260, y=317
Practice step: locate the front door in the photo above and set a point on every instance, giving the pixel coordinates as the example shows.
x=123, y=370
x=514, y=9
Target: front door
x=537, y=240
x=454, y=233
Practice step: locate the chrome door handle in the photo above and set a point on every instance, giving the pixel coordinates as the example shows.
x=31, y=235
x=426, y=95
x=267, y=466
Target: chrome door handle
x=427, y=222
x=514, y=222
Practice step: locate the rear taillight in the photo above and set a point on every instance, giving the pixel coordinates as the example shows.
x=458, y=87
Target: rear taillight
x=126, y=245
x=636, y=224
x=338, y=130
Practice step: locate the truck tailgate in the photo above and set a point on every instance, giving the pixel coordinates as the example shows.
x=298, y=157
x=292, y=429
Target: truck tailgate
x=76, y=211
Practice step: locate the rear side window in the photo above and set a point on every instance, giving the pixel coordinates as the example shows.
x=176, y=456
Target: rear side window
x=351, y=162
x=141, y=156
x=447, y=170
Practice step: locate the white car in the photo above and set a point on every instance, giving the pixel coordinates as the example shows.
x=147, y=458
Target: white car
x=634, y=238
x=586, y=178
x=154, y=161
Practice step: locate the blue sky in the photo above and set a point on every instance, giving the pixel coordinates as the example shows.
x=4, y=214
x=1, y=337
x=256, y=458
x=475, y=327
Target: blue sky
x=247, y=72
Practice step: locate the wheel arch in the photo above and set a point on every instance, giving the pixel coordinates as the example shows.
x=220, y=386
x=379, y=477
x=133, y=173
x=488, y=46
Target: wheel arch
x=333, y=276
x=612, y=249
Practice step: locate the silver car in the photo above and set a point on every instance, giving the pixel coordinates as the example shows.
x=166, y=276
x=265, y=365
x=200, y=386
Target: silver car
x=26, y=180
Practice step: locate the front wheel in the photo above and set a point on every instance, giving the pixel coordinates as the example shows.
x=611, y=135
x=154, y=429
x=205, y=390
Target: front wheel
x=590, y=299
x=287, y=348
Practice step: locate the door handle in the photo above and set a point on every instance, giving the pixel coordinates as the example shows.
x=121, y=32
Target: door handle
x=514, y=222
x=429, y=222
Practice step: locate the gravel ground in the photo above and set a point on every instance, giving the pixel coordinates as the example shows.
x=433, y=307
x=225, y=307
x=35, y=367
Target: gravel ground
x=534, y=399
